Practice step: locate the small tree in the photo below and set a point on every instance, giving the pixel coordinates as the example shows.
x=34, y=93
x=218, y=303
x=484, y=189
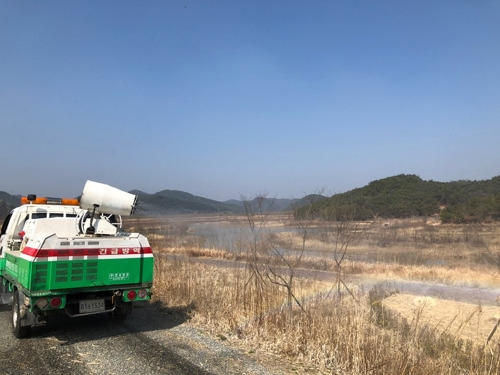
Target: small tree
x=267, y=259
x=254, y=288
x=288, y=261
x=342, y=233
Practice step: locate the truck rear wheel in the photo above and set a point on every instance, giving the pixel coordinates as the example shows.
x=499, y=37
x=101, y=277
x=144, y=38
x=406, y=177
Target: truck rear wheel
x=119, y=315
x=18, y=330
x=121, y=311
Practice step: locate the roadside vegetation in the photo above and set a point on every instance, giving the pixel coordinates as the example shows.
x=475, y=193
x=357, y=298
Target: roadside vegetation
x=260, y=292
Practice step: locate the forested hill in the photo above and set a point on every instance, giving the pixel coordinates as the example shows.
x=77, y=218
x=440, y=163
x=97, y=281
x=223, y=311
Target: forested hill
x=408, y=195
x=7, y=203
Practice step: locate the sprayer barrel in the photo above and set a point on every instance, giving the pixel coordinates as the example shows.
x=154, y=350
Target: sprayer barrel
x=109, y=200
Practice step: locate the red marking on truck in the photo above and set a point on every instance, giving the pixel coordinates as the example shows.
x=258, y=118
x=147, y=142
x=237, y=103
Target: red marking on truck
x=40, y=255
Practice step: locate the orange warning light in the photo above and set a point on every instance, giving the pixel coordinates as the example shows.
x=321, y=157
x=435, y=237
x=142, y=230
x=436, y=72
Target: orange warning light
x=45, y=200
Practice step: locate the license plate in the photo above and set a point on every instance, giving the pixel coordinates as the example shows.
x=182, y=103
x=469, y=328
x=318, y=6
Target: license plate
x=91, y=305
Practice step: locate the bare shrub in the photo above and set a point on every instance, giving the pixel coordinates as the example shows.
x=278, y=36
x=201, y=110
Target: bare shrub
x=342, y=234
x=270, y=264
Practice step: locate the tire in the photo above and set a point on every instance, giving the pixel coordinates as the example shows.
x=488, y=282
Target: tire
x=18, y=330
x=121, y=312
x=119, y=317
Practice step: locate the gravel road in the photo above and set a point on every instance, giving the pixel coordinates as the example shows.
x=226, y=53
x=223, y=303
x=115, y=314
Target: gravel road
x=149, y=342
x=474, y=295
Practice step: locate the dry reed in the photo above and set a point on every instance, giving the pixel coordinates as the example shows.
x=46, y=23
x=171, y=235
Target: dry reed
x=334, y=334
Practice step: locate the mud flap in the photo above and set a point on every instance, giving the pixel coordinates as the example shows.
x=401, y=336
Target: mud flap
x=27, y=317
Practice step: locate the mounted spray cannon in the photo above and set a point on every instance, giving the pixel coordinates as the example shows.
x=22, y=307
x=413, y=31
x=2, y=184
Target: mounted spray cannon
x=107, y=199
x=107, y=202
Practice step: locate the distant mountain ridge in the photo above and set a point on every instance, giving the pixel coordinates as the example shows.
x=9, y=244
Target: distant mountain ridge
x=275, y=204
x=397, y=197
x=179, y=202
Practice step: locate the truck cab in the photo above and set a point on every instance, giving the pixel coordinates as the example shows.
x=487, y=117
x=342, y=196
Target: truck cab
x=12, y=228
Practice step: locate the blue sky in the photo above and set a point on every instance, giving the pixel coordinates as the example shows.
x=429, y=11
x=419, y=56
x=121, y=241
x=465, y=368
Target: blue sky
x=229, y=98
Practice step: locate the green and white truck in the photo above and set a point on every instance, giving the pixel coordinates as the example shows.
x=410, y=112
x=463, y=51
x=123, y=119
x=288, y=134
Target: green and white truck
x=70, y=256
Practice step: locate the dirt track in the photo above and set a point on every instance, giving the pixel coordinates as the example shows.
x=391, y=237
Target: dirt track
x=149, y=342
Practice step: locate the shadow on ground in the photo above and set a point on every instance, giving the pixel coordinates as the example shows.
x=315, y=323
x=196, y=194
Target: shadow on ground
x=146, y=317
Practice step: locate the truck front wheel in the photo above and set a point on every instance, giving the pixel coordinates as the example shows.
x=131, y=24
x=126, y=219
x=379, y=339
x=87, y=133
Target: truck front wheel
x=18, y=330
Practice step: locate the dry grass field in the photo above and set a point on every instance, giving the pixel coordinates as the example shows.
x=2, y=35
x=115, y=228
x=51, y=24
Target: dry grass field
x=316, y=294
